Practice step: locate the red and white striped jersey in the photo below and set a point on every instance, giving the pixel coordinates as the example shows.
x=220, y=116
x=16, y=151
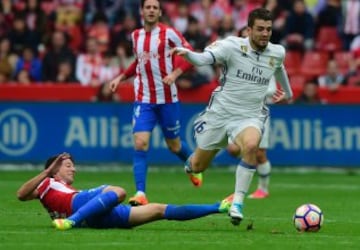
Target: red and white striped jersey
x=154, y=62
x=56, y=196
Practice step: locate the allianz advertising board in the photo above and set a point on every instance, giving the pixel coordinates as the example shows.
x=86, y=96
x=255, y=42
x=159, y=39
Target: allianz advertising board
x=100, y=133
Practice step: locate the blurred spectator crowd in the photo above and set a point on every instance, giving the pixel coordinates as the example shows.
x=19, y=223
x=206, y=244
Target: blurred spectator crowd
x=88, y=42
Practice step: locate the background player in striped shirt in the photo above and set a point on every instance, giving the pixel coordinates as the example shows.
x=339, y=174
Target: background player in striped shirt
x=99, y=207
x=237, y=109
x=156, y=98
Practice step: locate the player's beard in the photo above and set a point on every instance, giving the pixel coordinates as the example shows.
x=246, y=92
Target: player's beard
x=260, y=45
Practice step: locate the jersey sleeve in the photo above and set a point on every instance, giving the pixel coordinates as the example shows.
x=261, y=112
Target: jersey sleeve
x=177, y=40
x=220, y=50
x=281, y=74
x=131, y=70
x=282, y=52
x=272, y=87
x=43, y=187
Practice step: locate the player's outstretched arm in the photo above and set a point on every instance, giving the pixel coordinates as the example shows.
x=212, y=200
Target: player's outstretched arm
x=28, y=191
x=195, y=58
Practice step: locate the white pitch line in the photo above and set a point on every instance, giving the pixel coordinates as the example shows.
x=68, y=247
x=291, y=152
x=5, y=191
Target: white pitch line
x=340, y=239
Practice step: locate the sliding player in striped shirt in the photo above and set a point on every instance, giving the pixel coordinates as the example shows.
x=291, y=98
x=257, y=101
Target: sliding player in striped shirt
x=99, y=207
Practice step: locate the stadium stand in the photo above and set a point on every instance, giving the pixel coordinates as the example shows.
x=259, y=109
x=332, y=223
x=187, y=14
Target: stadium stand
x=297, y=81
x=354, y=81
x=43, y=18
x=343, y=59
x=328, y=40
x=314, y=63
x=292, y=61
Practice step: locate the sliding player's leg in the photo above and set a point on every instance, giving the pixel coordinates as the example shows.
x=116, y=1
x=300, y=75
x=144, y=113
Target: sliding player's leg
x=89, y=203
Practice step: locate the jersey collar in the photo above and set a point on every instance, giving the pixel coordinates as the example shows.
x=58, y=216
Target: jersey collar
x=252, y=50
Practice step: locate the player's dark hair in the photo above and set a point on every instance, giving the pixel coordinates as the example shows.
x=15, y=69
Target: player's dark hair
x=51, y=159
x=143, y=2
x=260, y=13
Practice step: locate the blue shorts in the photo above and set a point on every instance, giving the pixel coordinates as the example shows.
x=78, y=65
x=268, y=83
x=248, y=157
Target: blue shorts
x=118, y=217
x=146, y=116
x=84, y=196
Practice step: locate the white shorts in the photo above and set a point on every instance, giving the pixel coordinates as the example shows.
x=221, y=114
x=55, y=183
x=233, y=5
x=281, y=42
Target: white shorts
x=213, y=133
x=265, y=138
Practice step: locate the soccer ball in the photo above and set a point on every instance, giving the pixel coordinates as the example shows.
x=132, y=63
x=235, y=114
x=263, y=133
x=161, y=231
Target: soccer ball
x=308, y=218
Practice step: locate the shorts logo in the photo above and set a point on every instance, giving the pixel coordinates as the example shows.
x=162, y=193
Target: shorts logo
x=137, y=111
x=18, y=132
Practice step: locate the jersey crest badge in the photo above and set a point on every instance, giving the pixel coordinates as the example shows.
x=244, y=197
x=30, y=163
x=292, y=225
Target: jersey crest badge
x=272, y=62
x=244, y=50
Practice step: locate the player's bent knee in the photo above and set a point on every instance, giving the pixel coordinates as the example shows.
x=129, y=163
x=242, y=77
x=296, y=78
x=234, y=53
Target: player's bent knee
x=160, y=210
x=157, y=210
x=141, y=144
x=121, y=193
x=233, y=150
x=250, y=147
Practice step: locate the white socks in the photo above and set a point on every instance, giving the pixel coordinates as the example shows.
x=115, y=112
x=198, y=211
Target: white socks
x=264, y=175
x=244, y=175
x=140, y=193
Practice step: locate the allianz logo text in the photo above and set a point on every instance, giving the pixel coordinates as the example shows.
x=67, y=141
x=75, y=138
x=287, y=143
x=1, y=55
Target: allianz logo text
x=18, y=132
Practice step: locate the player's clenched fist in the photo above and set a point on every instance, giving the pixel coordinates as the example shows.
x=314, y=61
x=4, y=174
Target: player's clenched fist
x=114, y=83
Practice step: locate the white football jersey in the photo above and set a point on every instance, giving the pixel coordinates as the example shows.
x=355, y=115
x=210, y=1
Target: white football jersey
x=246, y=76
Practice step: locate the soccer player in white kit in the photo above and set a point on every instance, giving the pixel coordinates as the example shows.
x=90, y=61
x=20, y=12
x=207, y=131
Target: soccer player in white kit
x=237, y=107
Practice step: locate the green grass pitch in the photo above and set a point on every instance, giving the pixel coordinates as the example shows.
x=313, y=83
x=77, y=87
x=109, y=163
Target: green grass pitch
x=25, y=225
